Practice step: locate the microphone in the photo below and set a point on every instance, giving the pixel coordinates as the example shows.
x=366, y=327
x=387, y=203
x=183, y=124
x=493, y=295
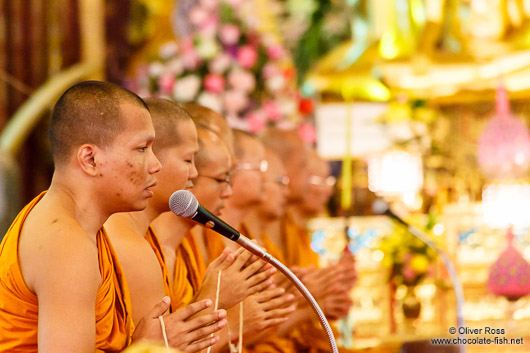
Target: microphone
x=381, y=207
x=183, y=203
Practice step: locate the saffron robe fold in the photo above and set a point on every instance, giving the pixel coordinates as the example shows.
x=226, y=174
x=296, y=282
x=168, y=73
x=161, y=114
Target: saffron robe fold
x=272, y=343
x=214, y=243
x=152, y=239
x=297, y=244
x=19, y=308
x=190, y=270
x=308, y=336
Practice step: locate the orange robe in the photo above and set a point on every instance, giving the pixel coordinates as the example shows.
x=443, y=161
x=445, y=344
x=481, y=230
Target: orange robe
x=271, y=343
x=272, y=249
x=214, y=243
x=19, y=308
x=152, y=239
x=308, y=336
x=190, y=270
x=297, y=244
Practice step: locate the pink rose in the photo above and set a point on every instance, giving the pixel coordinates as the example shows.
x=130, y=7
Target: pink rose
x=230, y=34
x=256, y=121
x=308, y=133
x=276, y=52
x=270, y=70
x=210, y=5
x=272, y=111
x=191, y=60
x=247, y=56
x=208, y=28
x=186, y=44
x=198, y=15
x=214, y=83
x=166, y=82
x=220, y=63
x=242, y=80
x=235, y=101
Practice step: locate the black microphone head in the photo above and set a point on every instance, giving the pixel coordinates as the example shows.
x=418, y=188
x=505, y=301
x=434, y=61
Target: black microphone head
x=380, y=207
x=183, y=203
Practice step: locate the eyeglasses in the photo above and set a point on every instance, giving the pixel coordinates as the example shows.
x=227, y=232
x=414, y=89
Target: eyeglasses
x=226, y=180
x=262, y=166
x=320, y=181
x=282, y=181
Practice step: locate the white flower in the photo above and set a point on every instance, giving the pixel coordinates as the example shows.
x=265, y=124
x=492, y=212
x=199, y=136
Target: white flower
x=288, y=107
x=220, y=63
x=275, y=83
x=156, y=69
x=175, y=66
x=168, y=50
x=186, y=88
x=207, y=48
x=211, y=101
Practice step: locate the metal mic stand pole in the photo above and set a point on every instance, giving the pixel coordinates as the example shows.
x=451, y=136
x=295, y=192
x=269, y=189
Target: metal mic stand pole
x=459, y=293
x=260, y=252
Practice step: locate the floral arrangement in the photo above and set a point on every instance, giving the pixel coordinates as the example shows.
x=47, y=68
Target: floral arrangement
x=410, y=260
x=227, y=65
x=314, y=28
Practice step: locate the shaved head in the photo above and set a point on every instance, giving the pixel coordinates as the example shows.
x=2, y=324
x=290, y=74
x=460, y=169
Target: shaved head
x=88, y=113
x=207, y=141
x=285, y=143
x=293, y=151
x=166, y=115
x=211, y=120
x=240, y=137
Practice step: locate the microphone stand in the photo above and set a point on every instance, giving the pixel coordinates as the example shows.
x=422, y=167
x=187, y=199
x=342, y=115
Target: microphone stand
x=457, y=285
x=262, y=253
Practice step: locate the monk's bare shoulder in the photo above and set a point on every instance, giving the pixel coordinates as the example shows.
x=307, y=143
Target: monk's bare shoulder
x=55, y=251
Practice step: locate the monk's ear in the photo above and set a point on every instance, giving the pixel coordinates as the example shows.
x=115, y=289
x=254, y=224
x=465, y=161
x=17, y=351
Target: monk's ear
x=86, y=159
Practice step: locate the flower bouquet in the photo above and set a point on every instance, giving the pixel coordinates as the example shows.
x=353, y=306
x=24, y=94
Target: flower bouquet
x=226, y=64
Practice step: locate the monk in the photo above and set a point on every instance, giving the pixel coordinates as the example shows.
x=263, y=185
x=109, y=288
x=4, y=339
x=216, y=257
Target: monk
x=62, y=288
x=212, y=186
x=326, y=284
x=266, y=214
x=210, y=120
x=313, y=204
x=185, y=263
x=247, y=185
x=133, y=238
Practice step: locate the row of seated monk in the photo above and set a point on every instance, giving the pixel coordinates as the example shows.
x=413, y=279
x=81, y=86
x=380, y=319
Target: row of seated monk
x=98, y=263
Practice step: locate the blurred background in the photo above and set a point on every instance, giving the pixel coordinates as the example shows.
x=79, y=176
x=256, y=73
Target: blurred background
x=421, y=102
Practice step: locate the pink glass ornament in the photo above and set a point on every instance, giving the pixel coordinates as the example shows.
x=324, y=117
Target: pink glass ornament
x=510, y=275
x=504, y=146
